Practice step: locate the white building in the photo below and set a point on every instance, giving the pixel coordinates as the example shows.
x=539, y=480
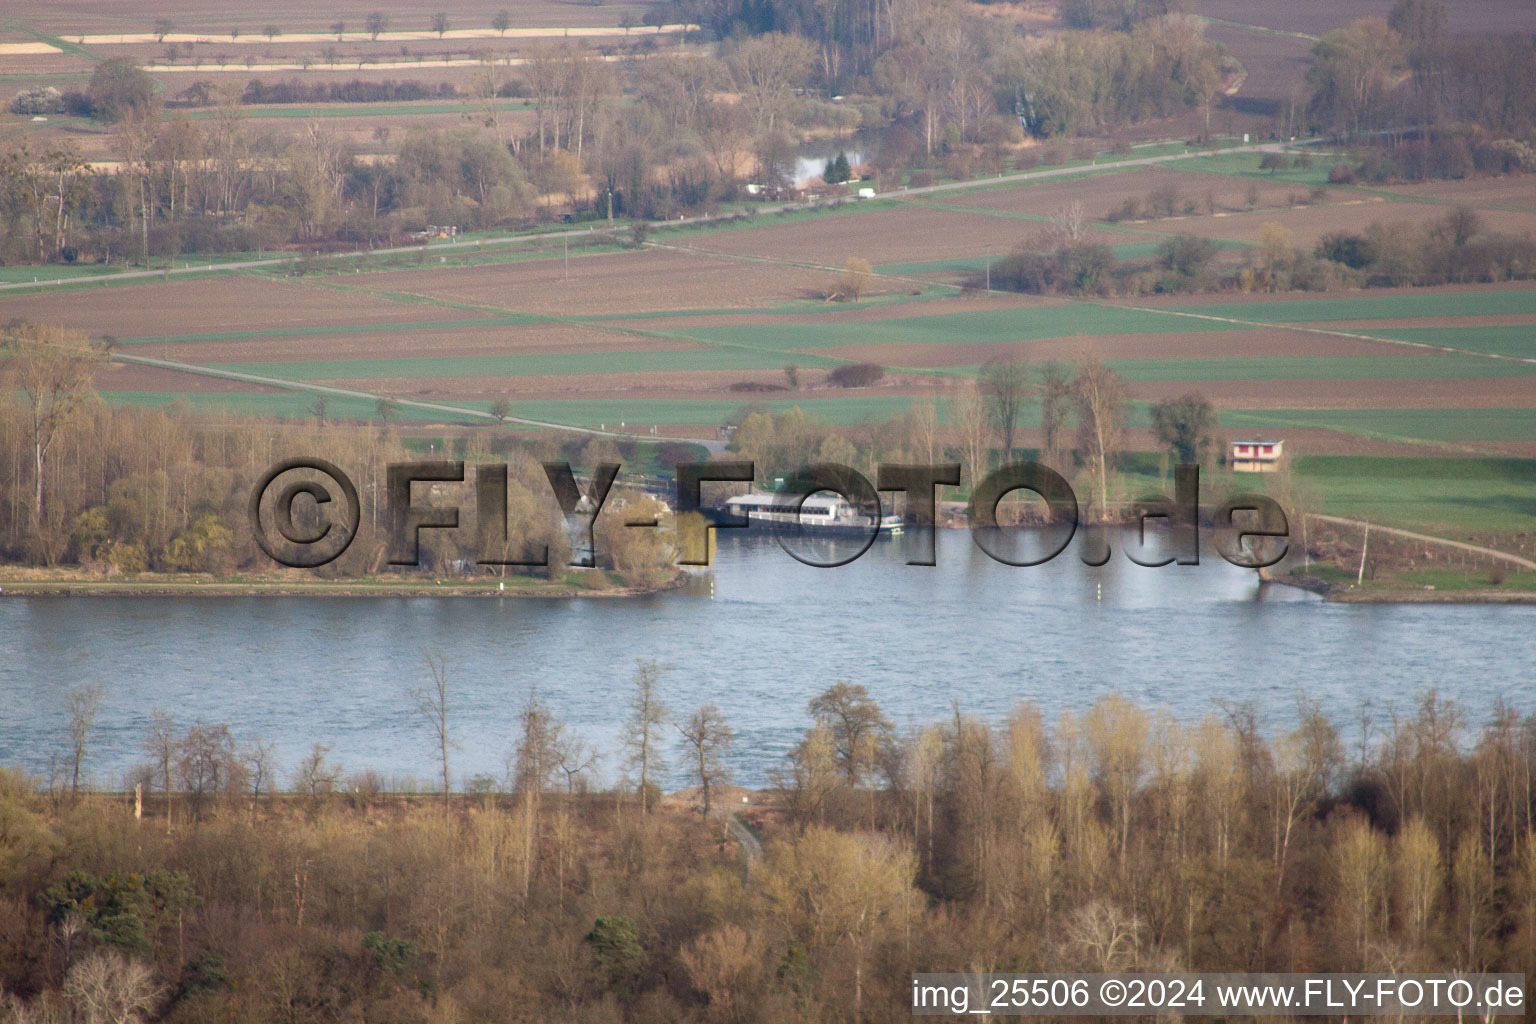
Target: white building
x=1257, y=456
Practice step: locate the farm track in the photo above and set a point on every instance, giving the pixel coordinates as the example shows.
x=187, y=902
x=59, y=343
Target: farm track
x=341, y=259
x=1524, y=563
x=714, y=447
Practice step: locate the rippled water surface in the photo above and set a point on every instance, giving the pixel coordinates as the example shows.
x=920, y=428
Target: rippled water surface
x=760, y=636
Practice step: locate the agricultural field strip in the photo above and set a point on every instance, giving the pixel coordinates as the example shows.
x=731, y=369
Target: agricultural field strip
x=411, y=403
x=1437, y=428
x=1124, y=228
x=1328, y=331
x=340, y=259
x=384, y=39
x=1262, y=30
x=348, y=110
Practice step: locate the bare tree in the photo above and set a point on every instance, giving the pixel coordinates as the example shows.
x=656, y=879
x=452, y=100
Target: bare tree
x=1005, y=383
x=52, y=369
x=83, y=704
x=440, y=23
x=1101, y=419
x=432, y=704
x=315, y=775
x=575, y=757
x=1055, y=409
x=646, y=715
x=708, y=735
x=1071, y=222
x=257, y=758
x=536, y=759
x=160, y=744
x=860, y=731
x=971, y=418
x=501, y=22
x=766, y=69
x=110, y=988
x=376, y=23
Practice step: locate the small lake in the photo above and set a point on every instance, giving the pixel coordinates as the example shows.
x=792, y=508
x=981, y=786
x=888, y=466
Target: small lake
x=761, y=634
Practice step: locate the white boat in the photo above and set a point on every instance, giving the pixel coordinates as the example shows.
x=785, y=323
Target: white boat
x=821, y=513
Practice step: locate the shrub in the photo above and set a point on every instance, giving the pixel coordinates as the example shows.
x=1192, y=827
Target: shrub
x=36, y=102
x=1349, y=249
x=856, y=375
x=1186, y=255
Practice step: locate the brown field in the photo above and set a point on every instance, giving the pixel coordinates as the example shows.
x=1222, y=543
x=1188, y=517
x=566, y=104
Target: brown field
x=1106, y=192
x=628, y=282
x=1512, y=190
x=834, y=315
x=902, y=235
x=73, y=17
x=1276, y=67
x=1201, y=345
x=201, y=307
x=1307, y=224
x=532, y=339
x=1319, y=16
x=1488, y=393
x=704, y=385
x=135, y=377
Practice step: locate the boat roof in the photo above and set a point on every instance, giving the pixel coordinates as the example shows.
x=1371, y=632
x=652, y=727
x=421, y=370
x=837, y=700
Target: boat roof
x=817, y=500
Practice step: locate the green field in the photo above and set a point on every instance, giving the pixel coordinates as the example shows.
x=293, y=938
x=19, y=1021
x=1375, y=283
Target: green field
x=1405, y=367
x=278, y=405
x=1514, y=302
x=1075, y=320
x=1442, y=496
x=524, y=365
x=1396, y=424
x=1516, y=341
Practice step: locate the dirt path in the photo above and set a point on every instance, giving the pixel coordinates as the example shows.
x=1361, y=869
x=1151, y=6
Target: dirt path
x=737, y=829
x=1524, y=563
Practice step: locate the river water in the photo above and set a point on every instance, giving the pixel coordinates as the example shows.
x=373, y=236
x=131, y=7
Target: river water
x=760, y=635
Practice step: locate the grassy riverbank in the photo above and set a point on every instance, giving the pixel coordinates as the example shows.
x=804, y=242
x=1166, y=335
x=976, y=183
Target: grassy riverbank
x=16, y=582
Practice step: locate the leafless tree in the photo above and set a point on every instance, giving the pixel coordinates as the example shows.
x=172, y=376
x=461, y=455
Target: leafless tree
x=257, y=759
x=109, y=988
x=1101, y=420
x=575, y=758
x=646, y=715
x=160, y=744
x=83, y=704
x=52, y=369
x=432, y=704
x=1005, y=382
x=315, y=775
x=708, y=735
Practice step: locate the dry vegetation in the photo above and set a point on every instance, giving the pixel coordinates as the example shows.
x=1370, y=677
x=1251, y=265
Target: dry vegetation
x=1118, y=839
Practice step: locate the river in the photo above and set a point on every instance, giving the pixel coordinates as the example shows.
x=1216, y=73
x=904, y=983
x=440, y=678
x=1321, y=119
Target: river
x=760, y=635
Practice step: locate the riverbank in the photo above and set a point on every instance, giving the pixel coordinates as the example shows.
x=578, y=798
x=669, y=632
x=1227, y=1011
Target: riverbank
x=55, y=583
x=1398, y=592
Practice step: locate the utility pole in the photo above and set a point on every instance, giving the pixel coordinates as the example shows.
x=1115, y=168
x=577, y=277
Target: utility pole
x=567, y=259
x=1364, y=546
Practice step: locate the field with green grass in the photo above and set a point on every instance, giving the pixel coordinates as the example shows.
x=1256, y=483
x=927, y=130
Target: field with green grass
x=678, y=335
